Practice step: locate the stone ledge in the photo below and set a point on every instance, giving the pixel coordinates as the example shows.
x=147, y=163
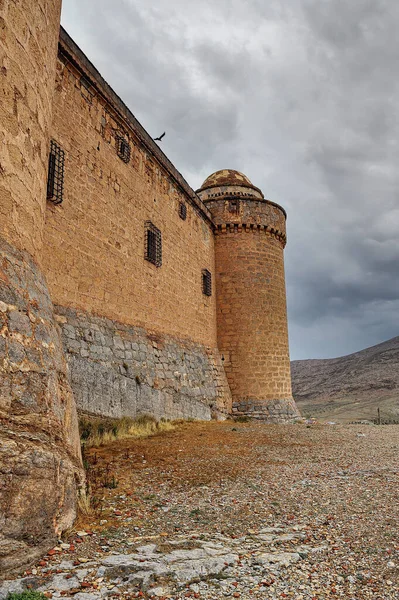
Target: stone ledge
x=270, y=411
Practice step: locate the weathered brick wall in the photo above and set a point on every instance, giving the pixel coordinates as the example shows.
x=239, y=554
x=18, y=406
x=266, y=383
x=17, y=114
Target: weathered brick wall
x=94, y=255
x=40, y=462
x=94, y=252
x=251, y=302
x=28, y=44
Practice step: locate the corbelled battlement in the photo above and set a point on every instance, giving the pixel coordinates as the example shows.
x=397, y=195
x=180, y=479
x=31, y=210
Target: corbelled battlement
x=234, y=213
x=238, y=228
x=235, y=204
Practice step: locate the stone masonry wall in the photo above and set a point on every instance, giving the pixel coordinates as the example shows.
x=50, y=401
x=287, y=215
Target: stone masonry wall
x=118, y=370
x=251, y=304
x=40, y=465
x=28, y=47
x=252, y=321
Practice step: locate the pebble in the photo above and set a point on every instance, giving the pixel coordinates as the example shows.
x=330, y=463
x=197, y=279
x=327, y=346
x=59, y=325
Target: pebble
x=277, y=512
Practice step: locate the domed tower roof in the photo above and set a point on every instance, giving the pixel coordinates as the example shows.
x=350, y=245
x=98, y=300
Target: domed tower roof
x=228, y=181
x=226, y=177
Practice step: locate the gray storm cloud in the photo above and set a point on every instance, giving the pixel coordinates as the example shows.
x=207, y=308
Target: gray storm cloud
x=302, y=98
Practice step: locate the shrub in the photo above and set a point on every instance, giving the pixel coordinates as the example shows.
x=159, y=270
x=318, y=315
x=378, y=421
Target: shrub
x=242, y=419
x=26, y=595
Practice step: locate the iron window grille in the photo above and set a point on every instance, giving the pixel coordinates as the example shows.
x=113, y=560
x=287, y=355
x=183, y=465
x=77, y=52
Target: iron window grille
x=182, y=211
x=153, y=244
x=206, y=282
x=123, y=148
x=55, y=178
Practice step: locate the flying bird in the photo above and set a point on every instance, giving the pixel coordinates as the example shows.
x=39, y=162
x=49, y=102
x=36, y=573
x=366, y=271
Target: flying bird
x=159, y=139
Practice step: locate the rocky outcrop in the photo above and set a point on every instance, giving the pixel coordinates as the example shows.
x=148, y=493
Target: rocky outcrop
x=198, y=563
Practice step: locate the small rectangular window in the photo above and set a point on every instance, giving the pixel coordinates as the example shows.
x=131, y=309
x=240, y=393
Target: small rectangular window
x=123, y=148
x=153, y=244
x=182, y=211
x=234, y=206
x=206, y=282
x=55, y=178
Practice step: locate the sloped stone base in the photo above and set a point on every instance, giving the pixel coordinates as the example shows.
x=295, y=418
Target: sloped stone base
x=119, y=370
x=269, y=411
x=40, y=462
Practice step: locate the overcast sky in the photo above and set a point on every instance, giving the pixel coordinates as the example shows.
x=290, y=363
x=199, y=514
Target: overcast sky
x=303, y=97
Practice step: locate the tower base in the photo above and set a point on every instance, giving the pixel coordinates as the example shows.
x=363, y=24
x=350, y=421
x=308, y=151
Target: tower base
x=268, y=411
x=40, y=462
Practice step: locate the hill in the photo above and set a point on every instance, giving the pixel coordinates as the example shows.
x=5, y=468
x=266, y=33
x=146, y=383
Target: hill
x=350, y=387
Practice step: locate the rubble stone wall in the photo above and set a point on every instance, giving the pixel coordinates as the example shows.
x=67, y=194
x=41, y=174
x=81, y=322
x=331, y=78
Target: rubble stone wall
x=119, y=370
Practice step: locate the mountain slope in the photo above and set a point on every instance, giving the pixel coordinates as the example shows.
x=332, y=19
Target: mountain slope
x=350, y=387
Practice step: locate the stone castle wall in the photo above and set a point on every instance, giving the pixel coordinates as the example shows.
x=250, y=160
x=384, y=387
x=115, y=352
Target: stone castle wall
x=40, y=463
x=253, y=326
x=29, y=37
x=94, y=261
x=127, y=337
x=120, y=370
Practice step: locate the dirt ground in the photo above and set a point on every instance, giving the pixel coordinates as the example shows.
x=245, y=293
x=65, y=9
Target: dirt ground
x=339, y=481
x=333, y=486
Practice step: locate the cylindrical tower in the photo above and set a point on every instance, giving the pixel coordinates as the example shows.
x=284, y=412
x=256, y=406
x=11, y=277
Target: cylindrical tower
x=250, y=296
x=40, y=459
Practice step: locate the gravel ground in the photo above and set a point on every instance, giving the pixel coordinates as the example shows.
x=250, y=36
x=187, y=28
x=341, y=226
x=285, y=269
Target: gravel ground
x=239, y=510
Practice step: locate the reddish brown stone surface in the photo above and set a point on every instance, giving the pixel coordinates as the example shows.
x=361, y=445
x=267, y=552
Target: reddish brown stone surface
x=40, y=462
x=251, y=300
x=94, y=261
x=28, y=43
x=94, y=252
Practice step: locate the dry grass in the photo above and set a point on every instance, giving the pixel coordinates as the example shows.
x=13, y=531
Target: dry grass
x=85, y=501
x=96, y=432
x=100, y=431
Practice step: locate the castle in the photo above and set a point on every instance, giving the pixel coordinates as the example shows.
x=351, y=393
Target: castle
x=122, y=291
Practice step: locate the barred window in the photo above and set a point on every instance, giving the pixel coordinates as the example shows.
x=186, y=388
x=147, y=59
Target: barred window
x=153, y=244
x=182, y=211
x=123, y=148
x=55, y=178
x=206, y=282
